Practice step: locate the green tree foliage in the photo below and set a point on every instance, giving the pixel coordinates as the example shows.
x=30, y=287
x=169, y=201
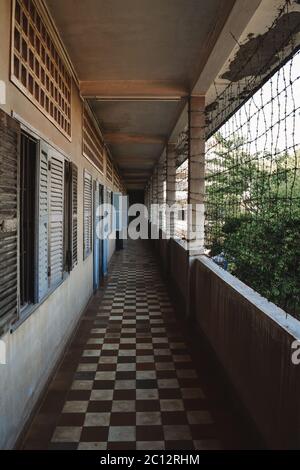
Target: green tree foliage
x=253, y=217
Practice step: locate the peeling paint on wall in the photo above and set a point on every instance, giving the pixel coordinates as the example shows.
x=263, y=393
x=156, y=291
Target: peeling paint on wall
x=248, y=62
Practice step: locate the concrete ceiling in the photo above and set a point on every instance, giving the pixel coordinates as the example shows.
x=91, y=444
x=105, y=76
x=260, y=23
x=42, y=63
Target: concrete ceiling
x=137, y=61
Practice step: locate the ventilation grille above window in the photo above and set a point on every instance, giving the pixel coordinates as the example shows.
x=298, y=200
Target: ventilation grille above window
x=37, y=67
x=92, y=145
x=117, y=181
x=109, y=169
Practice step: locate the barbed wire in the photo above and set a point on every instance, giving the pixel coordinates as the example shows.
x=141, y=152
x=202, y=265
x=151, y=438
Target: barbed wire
x=253, y=172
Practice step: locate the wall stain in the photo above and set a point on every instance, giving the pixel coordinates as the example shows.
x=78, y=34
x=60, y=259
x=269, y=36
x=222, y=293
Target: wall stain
x=263, y=49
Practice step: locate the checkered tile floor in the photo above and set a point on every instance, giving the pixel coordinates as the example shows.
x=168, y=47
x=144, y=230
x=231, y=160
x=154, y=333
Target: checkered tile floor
x=128, y=380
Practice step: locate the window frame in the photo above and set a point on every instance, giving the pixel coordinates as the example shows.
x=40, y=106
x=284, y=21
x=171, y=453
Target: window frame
x=23, y=308
x=24, y=313
x=70, y=215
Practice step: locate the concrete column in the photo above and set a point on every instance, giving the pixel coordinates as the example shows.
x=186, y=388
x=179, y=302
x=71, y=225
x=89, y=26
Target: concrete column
x=171, y=188
x=155, y=185
x=155, y=201
x=160, y=186
x=146, y=195
x=150, y=196
x=196, y=176
x=147, y=202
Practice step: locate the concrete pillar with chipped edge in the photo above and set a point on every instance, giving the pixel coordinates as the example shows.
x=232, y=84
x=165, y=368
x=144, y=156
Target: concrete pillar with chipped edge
x=154, y=212
x=196, y=175
x=150, y=197
x=160, y=186
x=171, y=188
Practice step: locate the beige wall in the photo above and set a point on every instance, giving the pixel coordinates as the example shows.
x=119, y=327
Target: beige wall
x=35, y=346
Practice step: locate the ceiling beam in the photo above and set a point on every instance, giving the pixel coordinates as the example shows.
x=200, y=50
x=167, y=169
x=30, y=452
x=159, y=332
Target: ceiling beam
x=129, y=172
x=135, y=186
x=141, y=174
x=133, y=89
x=138, y=167
x=129, y=175
x=135, y=180
x=121, y=138
x=135, y=160
x=125, y=168
x=138, y=179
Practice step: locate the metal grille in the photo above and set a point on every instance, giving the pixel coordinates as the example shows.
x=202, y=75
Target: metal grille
x=37, y=67
x=253, y=182
x=92, y=146
x=109, y=169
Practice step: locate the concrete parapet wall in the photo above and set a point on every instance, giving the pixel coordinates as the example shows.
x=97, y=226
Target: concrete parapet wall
x=252, y=340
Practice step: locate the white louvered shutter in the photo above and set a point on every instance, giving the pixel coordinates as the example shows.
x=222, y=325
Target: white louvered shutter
x=74, y=209
x=43, y=202
x=9, y=171
x=87, y=214
x=56, y=218
x=96, y=208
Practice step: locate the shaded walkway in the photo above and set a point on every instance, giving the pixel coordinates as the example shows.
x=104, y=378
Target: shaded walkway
x=128, y=380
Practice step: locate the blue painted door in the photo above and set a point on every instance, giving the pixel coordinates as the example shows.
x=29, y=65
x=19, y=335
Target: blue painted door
x=96, y=247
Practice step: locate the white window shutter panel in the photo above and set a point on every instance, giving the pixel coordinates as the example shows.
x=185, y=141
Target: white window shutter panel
x=56, y=218
x=9, y=180
x=43, y=202
x=74, y=209
x=96, y=193
x=87, y=214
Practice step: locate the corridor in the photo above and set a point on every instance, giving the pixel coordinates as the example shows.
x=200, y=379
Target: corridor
x=132, y=378
x=187, y=340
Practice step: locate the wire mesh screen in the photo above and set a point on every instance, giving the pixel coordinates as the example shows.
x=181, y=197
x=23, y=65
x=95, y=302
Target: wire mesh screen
x=182, y=147
x=181, y=184
x=253, y=190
